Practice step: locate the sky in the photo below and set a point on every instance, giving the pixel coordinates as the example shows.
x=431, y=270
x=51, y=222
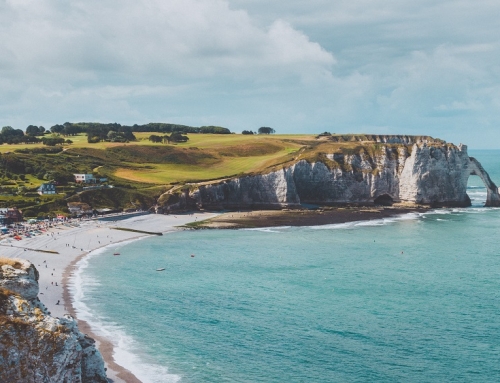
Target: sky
x=343, y=66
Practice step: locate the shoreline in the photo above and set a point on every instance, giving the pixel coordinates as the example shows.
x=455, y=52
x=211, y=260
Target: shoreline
x=61, y=257
x=254, y=219
x=60, y=249
x=115, y=372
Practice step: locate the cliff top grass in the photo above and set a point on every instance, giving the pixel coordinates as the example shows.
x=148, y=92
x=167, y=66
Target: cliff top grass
x=16, y=264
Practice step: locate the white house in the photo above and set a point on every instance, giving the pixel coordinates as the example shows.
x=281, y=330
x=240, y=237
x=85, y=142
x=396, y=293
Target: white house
x=85, y=178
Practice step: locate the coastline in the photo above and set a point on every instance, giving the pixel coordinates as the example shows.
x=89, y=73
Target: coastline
x=116, y=373
x=323, y=216
x=56, y=277
x=60, y=249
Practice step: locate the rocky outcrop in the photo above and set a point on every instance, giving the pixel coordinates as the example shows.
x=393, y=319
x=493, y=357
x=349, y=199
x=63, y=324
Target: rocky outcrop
x=35, y=347
x=434, y=175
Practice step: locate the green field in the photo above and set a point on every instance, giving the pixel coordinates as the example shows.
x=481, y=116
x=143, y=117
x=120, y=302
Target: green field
x=204, y=157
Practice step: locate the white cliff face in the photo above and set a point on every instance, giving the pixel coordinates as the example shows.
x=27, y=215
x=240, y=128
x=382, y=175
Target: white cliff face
x=420, y=174
x=35, y=347
x=436, y=175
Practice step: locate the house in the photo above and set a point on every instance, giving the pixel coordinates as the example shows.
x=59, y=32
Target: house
x=88, y=179
x=47, y=189
x=85, y=178
x=79, y=208
x=11, y=215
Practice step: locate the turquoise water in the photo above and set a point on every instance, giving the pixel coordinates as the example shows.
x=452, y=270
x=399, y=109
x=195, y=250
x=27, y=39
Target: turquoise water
x=408, y=299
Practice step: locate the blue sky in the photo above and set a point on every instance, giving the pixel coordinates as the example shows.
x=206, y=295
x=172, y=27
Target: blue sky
x=344, y=66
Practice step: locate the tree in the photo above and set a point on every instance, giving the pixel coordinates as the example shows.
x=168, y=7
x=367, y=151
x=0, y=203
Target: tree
x=247, y=132
x=57, y=129
x=53, y=141
x=177, y=137
x=266, y=130
x=6, y=130
x=32, y=130
x=155, y=138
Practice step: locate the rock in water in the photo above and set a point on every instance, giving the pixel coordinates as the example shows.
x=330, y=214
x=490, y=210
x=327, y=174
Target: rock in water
x=35, y=347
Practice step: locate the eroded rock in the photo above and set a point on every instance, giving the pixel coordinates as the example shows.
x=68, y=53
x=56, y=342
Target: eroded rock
x=35, y=347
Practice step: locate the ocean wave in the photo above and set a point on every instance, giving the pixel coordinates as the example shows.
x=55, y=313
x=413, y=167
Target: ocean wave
x=269, y=229
x=126, y=351
x=406, y=217
x=372, y=222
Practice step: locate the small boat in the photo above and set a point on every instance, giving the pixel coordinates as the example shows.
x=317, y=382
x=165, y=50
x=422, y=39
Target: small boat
x=192, y=255
x=160, y=269
x=116, y=253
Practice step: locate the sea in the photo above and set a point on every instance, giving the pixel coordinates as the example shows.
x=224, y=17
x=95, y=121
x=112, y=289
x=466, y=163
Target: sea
x=414, y=298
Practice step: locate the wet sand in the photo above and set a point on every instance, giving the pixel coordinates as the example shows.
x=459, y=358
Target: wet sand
x=323, y=216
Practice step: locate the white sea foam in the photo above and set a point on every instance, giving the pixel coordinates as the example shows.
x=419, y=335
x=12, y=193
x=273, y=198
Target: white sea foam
x=269, y=229
x=127, y=351
x=372, y=222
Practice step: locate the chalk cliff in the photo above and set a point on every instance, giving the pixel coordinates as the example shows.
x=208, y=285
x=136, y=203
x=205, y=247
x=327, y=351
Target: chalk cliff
x=420, y=173
x=35, y=347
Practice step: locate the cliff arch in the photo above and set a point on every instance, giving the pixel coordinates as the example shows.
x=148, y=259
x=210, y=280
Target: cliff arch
x=493, y=197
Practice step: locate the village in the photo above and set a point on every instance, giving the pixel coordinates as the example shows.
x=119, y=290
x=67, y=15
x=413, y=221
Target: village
x=14, y=226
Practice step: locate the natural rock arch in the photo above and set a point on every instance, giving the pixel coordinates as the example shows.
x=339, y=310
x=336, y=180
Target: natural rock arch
x=493, y=197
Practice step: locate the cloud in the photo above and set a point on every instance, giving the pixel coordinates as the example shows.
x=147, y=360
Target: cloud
x=148, y=37
x=426, y=67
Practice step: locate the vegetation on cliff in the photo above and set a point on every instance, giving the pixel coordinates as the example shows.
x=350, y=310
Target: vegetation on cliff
x=143, y=170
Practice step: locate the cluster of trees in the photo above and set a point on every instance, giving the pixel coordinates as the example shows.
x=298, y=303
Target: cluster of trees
x=9, y=135
x=115, y=132
x=97, y=132
x=262, y=130
x=174, y=137
x=160, y=127
x=53, y=141
x=33, y=130
x=266, y=130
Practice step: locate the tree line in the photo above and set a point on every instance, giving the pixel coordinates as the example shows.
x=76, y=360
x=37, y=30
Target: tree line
x=115, y=132
x=9, y=135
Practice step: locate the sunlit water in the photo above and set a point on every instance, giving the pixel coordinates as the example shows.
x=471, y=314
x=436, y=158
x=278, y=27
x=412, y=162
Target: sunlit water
x=408, y=299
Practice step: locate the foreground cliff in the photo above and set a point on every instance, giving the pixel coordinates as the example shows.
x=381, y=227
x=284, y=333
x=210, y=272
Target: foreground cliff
x=427, y=173
x=35, y=347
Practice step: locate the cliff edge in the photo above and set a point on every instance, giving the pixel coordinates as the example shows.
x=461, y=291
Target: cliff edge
x=379, y=172
x=35, y=347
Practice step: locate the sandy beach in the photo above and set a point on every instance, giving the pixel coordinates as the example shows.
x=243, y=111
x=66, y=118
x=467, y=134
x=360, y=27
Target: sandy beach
x=65, y=244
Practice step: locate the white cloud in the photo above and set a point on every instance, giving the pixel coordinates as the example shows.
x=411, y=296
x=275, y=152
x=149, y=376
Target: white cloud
x=148, y=37
x=405, y=67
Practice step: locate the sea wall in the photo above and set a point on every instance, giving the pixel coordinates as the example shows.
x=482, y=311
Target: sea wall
x=36, y=347
x=420, y=174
